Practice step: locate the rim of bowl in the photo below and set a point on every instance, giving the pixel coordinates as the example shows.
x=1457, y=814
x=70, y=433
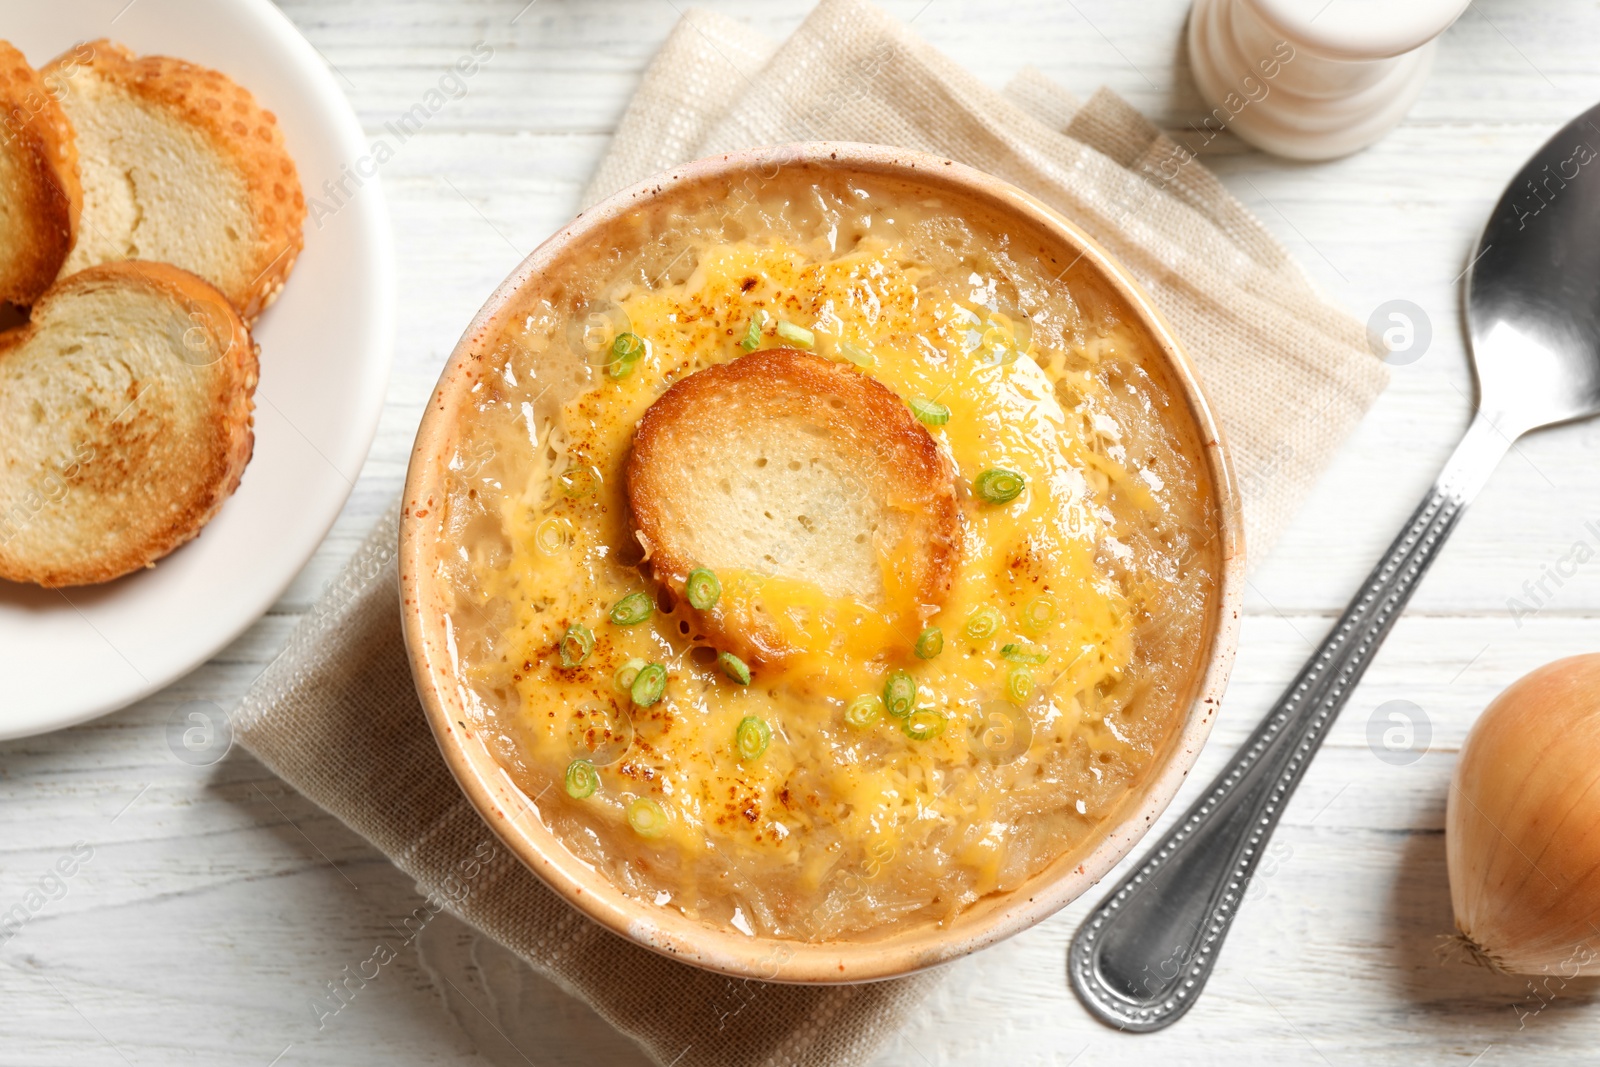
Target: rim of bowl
x=513, y=817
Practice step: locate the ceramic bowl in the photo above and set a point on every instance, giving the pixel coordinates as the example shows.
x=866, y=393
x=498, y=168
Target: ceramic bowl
x=512, y=815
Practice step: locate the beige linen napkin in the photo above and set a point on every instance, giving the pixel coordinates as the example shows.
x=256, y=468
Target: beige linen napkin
x=336, y=715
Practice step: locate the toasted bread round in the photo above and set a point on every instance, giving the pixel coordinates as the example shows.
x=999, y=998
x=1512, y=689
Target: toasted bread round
x=124, y=422
x=782, y=464
x=39, y=192
x=181, y=165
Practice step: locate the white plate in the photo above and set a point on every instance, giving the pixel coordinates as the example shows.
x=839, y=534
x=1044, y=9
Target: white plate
x=326, y=344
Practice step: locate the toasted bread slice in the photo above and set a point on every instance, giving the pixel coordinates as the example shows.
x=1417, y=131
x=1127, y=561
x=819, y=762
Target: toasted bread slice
x=39, y=192
x=124, y=422
x=180, y=165
x=785, y=465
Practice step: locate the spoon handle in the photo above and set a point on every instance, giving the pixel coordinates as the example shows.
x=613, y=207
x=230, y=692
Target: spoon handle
x=1142, y=956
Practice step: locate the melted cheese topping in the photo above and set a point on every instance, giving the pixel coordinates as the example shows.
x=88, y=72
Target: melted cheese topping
x=830, y=814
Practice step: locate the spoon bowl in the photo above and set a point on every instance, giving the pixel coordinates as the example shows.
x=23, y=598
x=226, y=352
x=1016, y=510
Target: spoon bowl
x=1533, y=303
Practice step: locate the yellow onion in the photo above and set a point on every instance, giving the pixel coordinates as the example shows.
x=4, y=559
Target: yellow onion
x=1522, y=827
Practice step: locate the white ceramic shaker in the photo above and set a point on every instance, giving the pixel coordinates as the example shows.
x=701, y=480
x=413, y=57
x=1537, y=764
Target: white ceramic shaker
x=1313, y=79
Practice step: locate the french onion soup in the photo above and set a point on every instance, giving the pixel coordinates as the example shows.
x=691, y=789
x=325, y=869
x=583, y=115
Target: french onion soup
x=824, y=557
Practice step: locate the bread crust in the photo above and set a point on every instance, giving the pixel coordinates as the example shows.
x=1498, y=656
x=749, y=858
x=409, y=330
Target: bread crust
x=897, y=456
x=243, y=131
x=198, y=494
x=34, y=128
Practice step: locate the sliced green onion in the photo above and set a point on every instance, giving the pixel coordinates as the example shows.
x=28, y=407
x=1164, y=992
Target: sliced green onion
x=983, y=623
x=702, y=588
x=734, y=667
x=576, y=644
x=1019, y=685
x=863, y=711
x=856, y=354
x=929, y=412
x=1023, y=654
x=579, y=481
x=582, y=779
x=627, y=673
x=923, y=724
x=930, y=643
x=1038, y=613
x=626, y=350
x=552, y=535
x=648, y=684
x=796, y=335
x=632, y=609
x=752, y=737
x=899, y=694
x=752, y=335
x=647, y=818
x=998, y=485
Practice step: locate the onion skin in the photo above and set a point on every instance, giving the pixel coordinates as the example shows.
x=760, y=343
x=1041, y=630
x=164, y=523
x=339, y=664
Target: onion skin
x=1522, y=825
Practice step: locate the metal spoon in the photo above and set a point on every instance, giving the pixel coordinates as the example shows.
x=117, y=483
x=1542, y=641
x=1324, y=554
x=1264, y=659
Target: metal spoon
x=1140, y=959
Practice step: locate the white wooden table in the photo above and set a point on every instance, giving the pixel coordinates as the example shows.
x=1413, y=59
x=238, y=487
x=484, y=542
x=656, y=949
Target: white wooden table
x=218, y=903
